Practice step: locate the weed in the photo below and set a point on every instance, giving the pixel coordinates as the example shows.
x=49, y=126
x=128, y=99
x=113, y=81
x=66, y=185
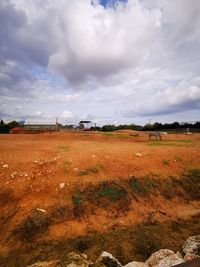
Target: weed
x=150, y=184
x=112, y=192
x=107, y=134
x=191, y=183
x=6, y=197
x=147, y=240
x=91, y=170
x=166, y=161
x=82, y=244
x=64, y=148
x=178, y=158
x=77, y=198
x=121, y=136
x=60, y=213
x=139, y=187
x=168, y=189
x=35, y=223
x=68, y=162
x=178, y=143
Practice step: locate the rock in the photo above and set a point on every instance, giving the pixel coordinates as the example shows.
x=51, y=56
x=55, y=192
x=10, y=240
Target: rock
x=138, y=155
x=164, y=258
x=44, y=211
x=45, y=264
x=136, y=264
x=61, y=185
x=5, y=166
x=192, y=245
x=190, y=257
x=108, y=260
x=72, y=260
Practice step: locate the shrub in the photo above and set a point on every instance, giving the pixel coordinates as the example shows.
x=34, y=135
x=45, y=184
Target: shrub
x=165, y=161
x=35, y=223
x=112, y=192
x=191, y=183
x=147, y=241
x=91, y=170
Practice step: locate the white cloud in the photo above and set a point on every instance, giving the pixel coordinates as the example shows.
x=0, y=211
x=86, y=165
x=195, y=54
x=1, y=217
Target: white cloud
x=66, y=114
x=136, y=59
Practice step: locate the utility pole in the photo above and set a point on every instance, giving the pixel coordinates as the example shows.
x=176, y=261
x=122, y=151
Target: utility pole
x=149, y=121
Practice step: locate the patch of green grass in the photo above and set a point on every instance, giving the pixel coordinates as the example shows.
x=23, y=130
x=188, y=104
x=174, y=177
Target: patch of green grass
x=142, y=186
x=178, y=158
x=65, y=166
x=122, y=136
x=112, y=192
x=91, y=170
x=130, y=240
x=78, y=198
x=35, y=223
x=147, y=239
x=166, y=161
x=107, y=134
x=64, y=148
x=183, y=141
x=150, y=184
x=68, y=162
x=178, y=143
x=191, y=183
x=168, y=189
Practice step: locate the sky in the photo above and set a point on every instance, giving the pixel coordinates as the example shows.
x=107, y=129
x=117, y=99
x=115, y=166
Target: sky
x=112, y=62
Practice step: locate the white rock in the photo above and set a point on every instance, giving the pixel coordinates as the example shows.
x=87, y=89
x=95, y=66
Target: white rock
x=44, y=264
x=44, y=211
x=108, y=259
x=76, y=260
x=61, y=185
x=138, y=155
x=5, y=166
x=164, y=258
x=136, y=264
x=192, y=245
x=190, y=257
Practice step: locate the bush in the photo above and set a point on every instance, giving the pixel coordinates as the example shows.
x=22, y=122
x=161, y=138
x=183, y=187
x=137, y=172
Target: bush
x=35, y=223
x=147, y=241
x=112, y=192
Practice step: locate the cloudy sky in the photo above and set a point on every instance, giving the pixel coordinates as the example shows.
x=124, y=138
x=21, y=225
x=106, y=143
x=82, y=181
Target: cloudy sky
x=106, y=61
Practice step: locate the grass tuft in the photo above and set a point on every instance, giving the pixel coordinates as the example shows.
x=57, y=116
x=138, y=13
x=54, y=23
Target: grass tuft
x=91, y=170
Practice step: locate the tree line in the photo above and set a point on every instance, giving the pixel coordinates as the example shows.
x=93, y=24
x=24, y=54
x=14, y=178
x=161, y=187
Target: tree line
x=157, y=126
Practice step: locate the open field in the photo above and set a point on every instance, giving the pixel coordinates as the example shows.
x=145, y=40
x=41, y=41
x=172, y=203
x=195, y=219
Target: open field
x=85, y=191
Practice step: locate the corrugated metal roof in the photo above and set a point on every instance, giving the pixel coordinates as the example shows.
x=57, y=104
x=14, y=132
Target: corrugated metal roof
x=40, y=122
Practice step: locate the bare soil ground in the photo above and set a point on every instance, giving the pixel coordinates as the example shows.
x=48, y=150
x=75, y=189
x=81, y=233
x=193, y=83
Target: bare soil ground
x=76, y=185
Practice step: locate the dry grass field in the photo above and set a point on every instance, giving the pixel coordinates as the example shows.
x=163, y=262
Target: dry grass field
x=94, y=191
